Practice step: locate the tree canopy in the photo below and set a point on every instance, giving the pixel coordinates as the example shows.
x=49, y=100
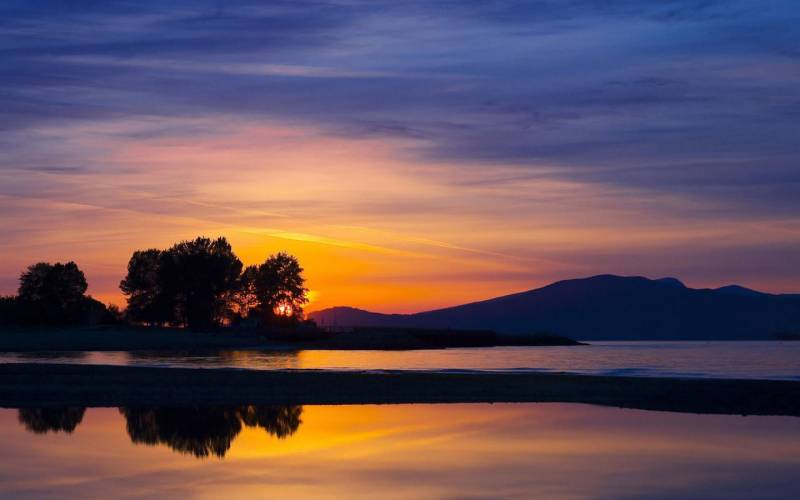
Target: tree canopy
x=190, y=283
x=200, y=282
x=201, y=275
x=147, y=302
x=53, y=294
x=276, y=288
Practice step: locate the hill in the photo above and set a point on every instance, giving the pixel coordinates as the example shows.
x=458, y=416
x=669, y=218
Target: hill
x=606, y=307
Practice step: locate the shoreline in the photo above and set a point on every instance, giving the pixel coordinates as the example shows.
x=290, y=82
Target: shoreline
x=133, y=338
x=127, y=338
x=62, y=385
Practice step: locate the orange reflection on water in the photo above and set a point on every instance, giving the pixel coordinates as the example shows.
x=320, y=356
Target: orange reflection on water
x=422, y=451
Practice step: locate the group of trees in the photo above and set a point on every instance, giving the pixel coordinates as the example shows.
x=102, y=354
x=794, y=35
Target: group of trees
x=201, y=283
x=198, y=283
x=53, y=294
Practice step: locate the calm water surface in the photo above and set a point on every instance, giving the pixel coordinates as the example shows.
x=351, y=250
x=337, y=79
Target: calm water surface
x=760, y=360
x=395, y=452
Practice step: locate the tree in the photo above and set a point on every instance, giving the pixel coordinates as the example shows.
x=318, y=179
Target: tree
x=244, y=300
x=148, y=302
x=9, y=310
x=277, y=287
x=201, y=275
x=53, y=293
x=200, y=282
x=114, y=315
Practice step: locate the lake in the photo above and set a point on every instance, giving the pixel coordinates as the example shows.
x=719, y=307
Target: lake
x=524, y=450
x=396, y=452
x=754, y=360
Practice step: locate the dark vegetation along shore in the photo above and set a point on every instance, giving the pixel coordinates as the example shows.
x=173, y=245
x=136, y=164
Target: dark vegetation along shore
x=133, y=338
x=201, y=286
x=432, y=338
x=197, y=284
x=123, y=338
x=197, y=294
x=55, y=385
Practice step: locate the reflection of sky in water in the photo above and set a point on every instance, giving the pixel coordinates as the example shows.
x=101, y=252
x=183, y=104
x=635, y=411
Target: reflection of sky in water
x=428, y=451
x=763, y=360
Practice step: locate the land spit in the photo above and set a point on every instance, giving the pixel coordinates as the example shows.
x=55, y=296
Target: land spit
x=133, y=338
x=59, y=385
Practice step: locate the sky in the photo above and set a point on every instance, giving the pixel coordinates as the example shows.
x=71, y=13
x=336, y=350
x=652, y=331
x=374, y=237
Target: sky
x=412, y=154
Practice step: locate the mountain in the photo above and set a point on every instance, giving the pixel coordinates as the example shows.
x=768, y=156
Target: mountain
x=739, y=290
x=606, y=307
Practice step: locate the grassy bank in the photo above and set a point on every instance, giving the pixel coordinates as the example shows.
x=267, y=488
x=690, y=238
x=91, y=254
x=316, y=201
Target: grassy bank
x=37, y=385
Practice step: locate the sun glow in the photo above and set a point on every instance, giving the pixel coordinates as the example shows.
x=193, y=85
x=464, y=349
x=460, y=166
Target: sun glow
x=284, y=310
x=371, y=229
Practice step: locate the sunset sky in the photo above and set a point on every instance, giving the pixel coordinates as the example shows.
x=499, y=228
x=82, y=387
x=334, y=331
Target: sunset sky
x=412, y=154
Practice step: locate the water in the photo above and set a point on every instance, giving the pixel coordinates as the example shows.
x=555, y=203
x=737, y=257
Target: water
x=751, y=360
x=396, y=452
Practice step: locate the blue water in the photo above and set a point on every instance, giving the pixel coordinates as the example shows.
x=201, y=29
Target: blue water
x=749, y=360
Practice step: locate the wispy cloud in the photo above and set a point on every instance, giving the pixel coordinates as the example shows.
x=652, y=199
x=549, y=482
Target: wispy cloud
x=222, y=68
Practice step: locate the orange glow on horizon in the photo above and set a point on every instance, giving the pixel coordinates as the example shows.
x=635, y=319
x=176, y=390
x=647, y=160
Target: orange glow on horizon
x=372, y=227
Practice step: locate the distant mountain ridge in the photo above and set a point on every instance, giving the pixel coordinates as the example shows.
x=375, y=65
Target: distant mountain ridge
x=606, y=307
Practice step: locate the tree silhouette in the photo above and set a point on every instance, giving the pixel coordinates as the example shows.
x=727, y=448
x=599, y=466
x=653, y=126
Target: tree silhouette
x=44, y=420
x=52, y=293
x=277, y=287
x=200, y=282
x=148, y=302
x=9, y=310
x=201, y=274
x=191, y=283
x=244, y=301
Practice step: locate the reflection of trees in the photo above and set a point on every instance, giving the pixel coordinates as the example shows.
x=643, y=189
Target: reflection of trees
x=197, y=431
x=201, y=432
x=206, y=431
x=259, y=359
x=278, y=421
x=224, y=358
x=43, y=420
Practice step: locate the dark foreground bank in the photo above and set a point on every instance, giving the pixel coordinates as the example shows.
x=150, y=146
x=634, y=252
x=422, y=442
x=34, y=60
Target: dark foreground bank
x=42, y=385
